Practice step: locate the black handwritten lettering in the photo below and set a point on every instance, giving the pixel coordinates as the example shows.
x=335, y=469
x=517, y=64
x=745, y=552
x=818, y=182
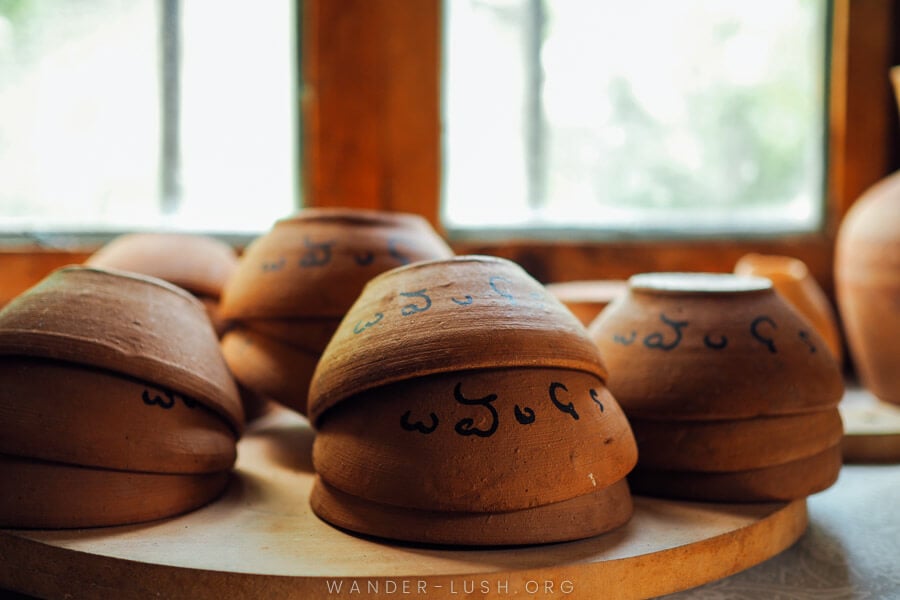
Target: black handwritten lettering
x=157, y=400
x=625, y=341
x=318, y=254
x=566, y=408
x=804, y=337
x=411, y=309
x=719, y=344
x=359, y=327
x=595, y=396
x=754, y=331
x=465, y=302
x=657, y=341
x=418, y=425
x=467, y=426
x=524, y=416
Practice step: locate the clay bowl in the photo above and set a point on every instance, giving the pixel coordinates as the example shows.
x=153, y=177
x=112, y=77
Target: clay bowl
x=586, y=299
x=66, y=413
x=738, y=445
x=794, y=283
x=788, y=481
x=128, y=324
x=310, y=335
x=41, y=494
x=270, y=368
x=316, y=263
x=577, y=518
x=197, y=263
x=461, y=387
x=698, y=346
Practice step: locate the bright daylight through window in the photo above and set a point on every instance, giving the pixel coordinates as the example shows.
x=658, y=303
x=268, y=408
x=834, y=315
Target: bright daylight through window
x=648, y=116
x=144, y=114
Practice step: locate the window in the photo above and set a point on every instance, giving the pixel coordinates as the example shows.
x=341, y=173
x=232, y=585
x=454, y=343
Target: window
x=146, y=114
x=603, y=117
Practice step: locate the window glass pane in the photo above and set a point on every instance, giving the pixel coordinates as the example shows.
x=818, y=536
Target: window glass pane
x=81, y=116
x=692, y=117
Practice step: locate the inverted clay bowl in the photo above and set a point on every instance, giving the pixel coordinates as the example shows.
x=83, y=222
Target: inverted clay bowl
x=129, y=324
x=586, y=299
x=462, y=387
x=867, y=281
x=269, y=367
x=787, y=481
x=39, y=494
x=67, y=413
x=793, y=281
x=697, y=346
x=197, y=263
x=735, y=445
x=316, y=263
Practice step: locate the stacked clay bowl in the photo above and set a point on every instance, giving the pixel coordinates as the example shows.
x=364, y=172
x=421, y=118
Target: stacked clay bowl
x=731, y=394
x=587, y=299
x=294, y=284
x=116, y=406
x=793, y=281
x=197, y=263
x=460, y=403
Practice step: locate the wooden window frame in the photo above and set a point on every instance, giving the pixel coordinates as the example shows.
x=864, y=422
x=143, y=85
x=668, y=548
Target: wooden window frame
x=372, y=135
x=371, y=138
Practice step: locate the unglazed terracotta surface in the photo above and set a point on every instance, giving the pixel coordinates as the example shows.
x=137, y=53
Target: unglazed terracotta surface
x=735, y=445
x=463, y=386
x=67, y=413
x=50, y=495
x=691, y=346
x=200, y=264
x=793, y=281
x=477, y=441
x=316, y=263
x=787, y=481
x=577, y=518
x=469, y=312
x=130, y=324
x=294, y=285
x=867, y=281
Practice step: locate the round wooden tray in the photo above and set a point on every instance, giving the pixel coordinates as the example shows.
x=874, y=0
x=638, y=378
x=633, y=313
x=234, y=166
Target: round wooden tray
x=261, y=540
x=871, y=428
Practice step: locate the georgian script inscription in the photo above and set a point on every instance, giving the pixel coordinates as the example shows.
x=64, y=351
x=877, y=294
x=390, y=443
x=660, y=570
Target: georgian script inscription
x=761, y=329
x=415, y=302
x=488, y=418
x=166, y=400
x=322, y=253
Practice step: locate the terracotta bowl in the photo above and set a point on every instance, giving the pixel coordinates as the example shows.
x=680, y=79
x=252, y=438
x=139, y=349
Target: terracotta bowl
x=66, y=413
x=197, y=263
x=793, y=281
x=462, y=387
x=295, y=283
x=43, y=495
x=738, y=445
x=867, y=281
x=316, y=263
x=788, y=481
x=129, y=324
x=696, y=346
x=580, y=517
x=269, y=368
x=586, y=299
